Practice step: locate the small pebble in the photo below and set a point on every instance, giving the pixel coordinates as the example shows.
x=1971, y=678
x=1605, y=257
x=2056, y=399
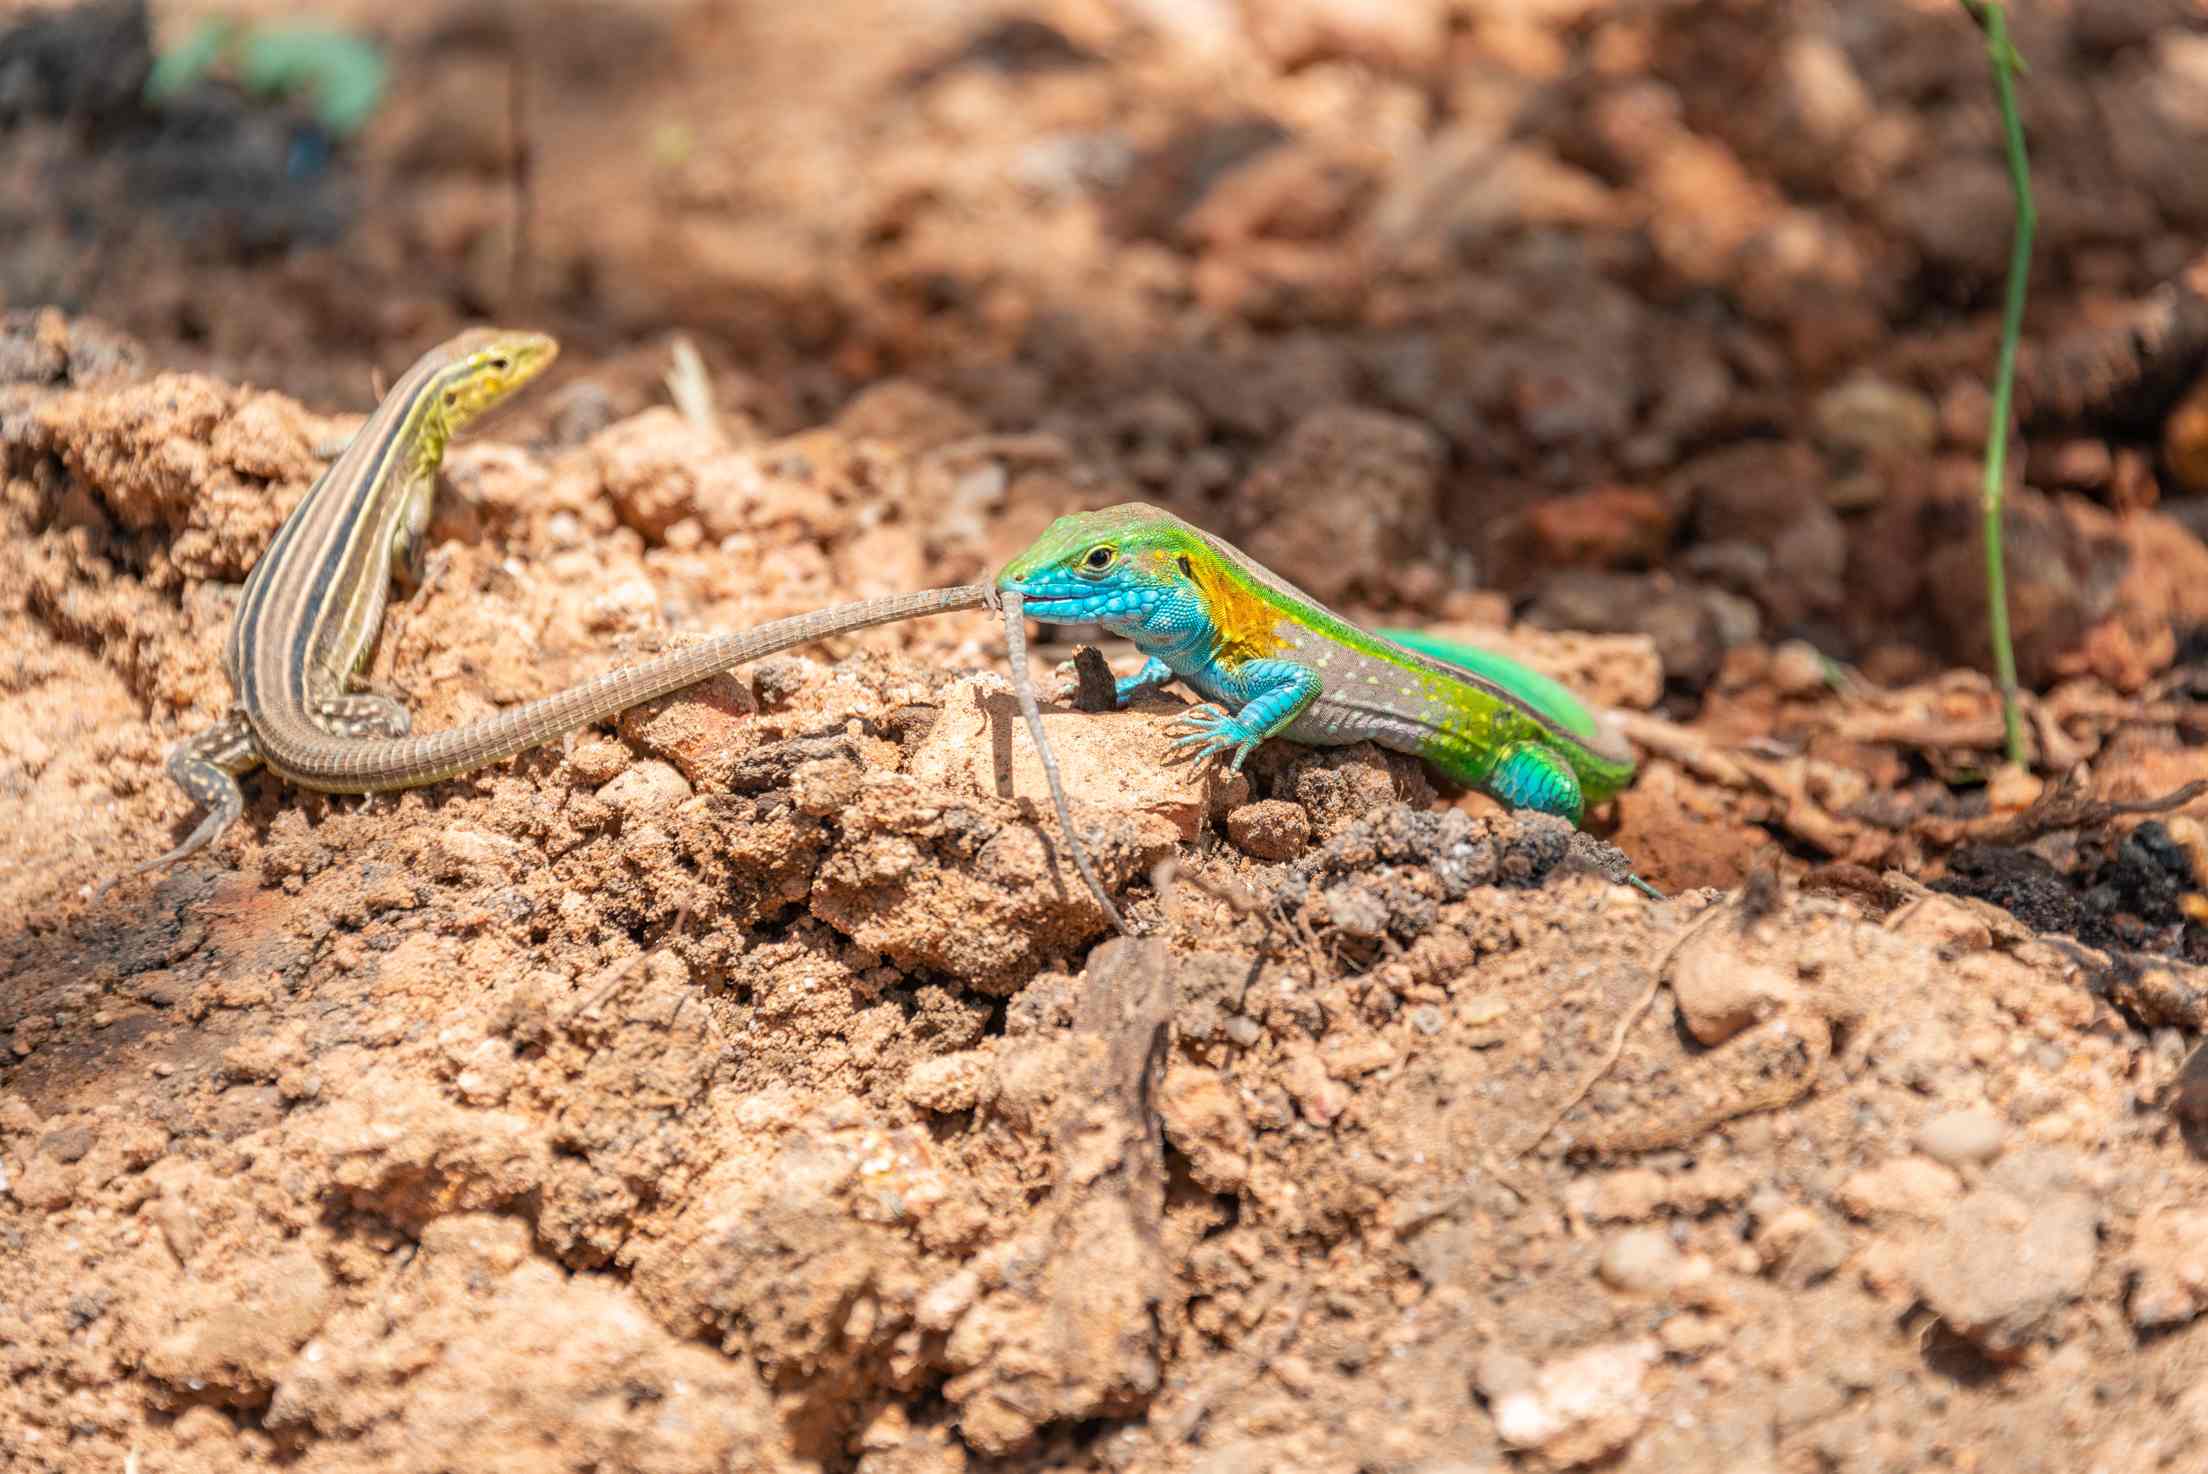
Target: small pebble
x=1641, y=1261
x=1956, y=1137
x=1272, y=829
x=1498, y=1373
x=2190, y=1101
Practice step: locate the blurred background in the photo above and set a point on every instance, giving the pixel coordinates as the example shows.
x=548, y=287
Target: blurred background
x=1670, y=317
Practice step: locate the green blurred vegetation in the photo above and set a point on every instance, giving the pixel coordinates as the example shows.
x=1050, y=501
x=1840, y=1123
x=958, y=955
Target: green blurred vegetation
x=341, y=74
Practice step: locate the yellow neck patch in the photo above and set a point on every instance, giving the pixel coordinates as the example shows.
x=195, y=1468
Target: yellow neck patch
x=1248, y=626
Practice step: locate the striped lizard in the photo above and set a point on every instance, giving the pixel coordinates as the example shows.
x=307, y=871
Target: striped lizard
x=309, y=613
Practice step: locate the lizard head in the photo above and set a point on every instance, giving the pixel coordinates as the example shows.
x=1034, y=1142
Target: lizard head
x=483, y=367
x=466, y=376
x=1117, y=567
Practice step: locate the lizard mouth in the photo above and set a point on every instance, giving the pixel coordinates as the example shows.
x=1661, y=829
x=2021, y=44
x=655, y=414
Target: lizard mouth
x=1033, y=596
x=1054, y=609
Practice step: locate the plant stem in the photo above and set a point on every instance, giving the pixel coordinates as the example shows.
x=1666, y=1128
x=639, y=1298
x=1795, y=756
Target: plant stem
x=1992, y=18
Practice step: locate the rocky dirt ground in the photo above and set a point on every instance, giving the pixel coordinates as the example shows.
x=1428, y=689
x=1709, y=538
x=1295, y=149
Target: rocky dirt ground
x=746, y=1085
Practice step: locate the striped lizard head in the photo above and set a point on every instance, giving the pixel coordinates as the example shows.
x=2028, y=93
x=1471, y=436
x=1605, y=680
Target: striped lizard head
x=461, y=378
x=1116, y=567
x=484, y=366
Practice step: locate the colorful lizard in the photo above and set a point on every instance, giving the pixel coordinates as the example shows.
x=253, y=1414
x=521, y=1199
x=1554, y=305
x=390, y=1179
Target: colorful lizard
x=1271, y=661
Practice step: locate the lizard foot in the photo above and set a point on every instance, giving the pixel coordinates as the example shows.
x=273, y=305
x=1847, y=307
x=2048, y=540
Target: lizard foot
x=1214, y=733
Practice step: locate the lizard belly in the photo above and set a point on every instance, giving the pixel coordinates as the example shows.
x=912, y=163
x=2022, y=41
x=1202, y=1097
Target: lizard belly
x=1331, y=723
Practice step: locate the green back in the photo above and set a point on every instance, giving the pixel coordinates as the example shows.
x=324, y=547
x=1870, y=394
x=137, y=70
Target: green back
x=1528, y=685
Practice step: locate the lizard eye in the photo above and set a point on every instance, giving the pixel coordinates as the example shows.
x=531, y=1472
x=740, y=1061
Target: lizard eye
x=500, y=364
x=1100, y=558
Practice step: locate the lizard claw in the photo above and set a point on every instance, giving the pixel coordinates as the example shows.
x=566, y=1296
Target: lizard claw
x=1214, y=733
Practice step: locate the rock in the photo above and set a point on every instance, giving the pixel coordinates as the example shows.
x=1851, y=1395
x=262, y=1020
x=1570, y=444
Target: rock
x=1958, y=1137
x=1691, y=628
x=650, y=466
x=981, y=887
x=1582, y=1407
x=1343, y=501
x=1350, y=1055
x=233, y=1338
x=1823, y=91
x=1172, y=179
x=1357, y=910
x=1943, y=922
x=1801, y=1247
x=46, y=1185
x=704, y=730
x=498, y=1346
x=648, y=787
x=2185, y=439
x=1767, y=494
x=825, y=786
x=408, y=1154
x=2004, y=1264
x=1115, y=759
x=1463, y=186
x=2090, y=593
x=1205, y=1121
x=1722, y=990
x=1691, y=1334
x=1903, y=1187
x=1956, y=213
x=2155, y=120
x=1628, y=1195
x=2189, y=1093
x=1318, y=1096
x=1500, y=1372
x=1271, y=829
x=1602, y=527
x=1798, y=668
x=1399, y=35
x=953, y=1082
x=1337, y=786
x=1076, y=1331
x=1804, y=1401
x=908, y=415
x=2169, y=1257
x=1869, y=417
x=1642, y=1261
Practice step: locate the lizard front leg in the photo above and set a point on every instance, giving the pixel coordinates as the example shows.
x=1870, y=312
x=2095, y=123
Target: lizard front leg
x=1154, y=673
x=1273, y=692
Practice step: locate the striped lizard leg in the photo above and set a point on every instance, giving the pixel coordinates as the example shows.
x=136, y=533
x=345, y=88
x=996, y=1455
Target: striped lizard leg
x=1279, y=690
x=363, y=714
x=206, y=766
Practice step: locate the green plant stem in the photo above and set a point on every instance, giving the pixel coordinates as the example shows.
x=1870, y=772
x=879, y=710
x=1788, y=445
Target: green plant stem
x=1992, y=18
